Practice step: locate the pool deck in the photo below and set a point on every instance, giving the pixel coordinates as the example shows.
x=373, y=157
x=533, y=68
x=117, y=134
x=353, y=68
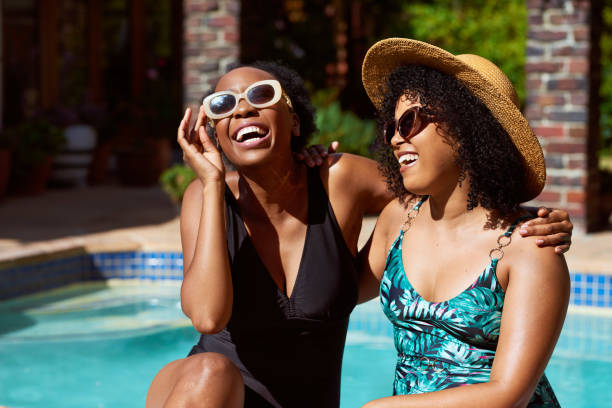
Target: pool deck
x=113, y=218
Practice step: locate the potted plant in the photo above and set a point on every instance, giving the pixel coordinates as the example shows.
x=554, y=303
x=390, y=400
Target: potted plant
x=174, y=182
x=6, y=147
x=36, y=142
x=144, y=150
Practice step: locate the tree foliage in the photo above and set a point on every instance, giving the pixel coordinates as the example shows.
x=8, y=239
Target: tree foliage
x=494, y=29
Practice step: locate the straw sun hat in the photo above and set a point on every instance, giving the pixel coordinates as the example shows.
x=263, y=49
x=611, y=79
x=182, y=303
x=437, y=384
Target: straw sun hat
x=483, y=78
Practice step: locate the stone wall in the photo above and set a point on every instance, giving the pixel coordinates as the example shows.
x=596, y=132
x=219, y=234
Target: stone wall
x=562, y=106
x=211, y=43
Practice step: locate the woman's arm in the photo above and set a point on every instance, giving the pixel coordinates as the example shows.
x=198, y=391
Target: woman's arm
x=373, y=256
x=206, y=291
x=536, y=301
x=553, y=227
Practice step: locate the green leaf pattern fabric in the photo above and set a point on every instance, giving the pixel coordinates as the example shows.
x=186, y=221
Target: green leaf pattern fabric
x=445, y=344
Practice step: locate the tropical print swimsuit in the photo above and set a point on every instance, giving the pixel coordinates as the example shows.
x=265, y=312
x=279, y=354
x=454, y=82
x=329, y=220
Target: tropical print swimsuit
x=446, y=344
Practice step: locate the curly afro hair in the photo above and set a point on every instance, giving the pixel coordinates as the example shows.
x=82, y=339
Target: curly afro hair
x=294, y=87
x=484, y=149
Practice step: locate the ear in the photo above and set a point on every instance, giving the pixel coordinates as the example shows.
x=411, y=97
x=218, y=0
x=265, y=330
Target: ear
x=295, y=125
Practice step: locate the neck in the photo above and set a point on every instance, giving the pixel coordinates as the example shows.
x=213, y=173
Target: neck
x=273, y=189
x=448, y=207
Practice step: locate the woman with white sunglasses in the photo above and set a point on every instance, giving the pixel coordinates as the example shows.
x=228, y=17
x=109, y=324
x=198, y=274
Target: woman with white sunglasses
x=270, y=274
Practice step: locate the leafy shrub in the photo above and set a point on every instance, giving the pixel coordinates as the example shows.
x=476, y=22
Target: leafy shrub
x=174, y=181
x=354, y=134
x=34, y=141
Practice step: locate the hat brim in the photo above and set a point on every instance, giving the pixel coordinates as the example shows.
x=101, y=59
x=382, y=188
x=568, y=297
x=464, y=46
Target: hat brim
x=386, y=55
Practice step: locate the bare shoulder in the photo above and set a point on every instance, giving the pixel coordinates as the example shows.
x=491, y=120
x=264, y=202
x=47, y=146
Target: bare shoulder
x=356, y=178
x=346, y=165
x=525, y=259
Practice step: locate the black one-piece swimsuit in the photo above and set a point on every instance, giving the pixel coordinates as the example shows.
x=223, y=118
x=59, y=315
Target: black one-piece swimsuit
x=289, y=349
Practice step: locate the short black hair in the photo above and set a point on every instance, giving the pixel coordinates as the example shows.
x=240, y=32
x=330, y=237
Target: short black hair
x=293, y=85
x=484, y=149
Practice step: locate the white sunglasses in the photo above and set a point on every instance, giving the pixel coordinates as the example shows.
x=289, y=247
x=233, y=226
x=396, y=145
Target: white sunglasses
x=260, y=94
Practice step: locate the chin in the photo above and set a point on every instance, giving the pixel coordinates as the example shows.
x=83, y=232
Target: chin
x=417, y=187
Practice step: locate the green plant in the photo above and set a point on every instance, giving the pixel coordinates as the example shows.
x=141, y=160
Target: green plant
x=605, y=89
x=495, y=29
x=354, y=134
x=174, y=181
x=35, y=141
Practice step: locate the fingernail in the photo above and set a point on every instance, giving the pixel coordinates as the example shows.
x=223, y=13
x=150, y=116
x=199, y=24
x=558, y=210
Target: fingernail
x=540, y=241
x=522, y=231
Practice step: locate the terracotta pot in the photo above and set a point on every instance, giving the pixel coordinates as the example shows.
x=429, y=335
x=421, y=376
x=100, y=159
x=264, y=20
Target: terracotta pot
x=99, y=163
x=5, y=170
x=142, y=165
x=35, y=179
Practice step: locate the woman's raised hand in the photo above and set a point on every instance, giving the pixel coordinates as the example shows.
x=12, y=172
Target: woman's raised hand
x=199, y=152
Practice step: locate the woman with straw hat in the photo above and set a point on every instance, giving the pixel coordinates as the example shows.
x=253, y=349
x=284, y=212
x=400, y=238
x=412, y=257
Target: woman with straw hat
x=269, y=250
x=460, y=159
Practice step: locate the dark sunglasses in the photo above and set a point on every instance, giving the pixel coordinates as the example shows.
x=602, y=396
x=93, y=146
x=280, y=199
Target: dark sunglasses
x=408, y=125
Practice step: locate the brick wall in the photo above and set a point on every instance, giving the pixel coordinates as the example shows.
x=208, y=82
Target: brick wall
x=1, y=73
x=560, y=105
x=211, y=43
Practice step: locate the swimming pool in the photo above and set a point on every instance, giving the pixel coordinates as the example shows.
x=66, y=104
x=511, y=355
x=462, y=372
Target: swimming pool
x=100, y=344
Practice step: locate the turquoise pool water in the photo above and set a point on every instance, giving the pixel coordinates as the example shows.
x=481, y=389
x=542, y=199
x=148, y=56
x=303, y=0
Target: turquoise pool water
x=99, y=345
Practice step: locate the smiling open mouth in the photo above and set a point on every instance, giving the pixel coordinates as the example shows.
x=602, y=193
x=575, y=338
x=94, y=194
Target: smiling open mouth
x=408, y=159
x=251, y=133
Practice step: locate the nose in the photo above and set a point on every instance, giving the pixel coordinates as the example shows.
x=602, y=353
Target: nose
x=244, y=109
x=397, y=139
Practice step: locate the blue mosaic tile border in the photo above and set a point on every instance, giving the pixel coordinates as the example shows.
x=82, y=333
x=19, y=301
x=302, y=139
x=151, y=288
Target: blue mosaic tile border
x=48, y=274
x=587, y=289
x=591, y=290
x=136, y=265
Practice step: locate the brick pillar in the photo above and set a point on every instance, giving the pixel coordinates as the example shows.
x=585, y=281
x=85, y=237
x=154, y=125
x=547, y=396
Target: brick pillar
x=562, y=107
x=211, y=43
x=1, y=72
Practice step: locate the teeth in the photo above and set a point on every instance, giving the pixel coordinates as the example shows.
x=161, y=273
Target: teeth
x=408, y=158
x=249, y=129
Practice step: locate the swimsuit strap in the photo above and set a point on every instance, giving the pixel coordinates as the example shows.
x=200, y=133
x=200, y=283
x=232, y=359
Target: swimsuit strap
x=412, y=213
x=418, y=205
x=505, y=239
